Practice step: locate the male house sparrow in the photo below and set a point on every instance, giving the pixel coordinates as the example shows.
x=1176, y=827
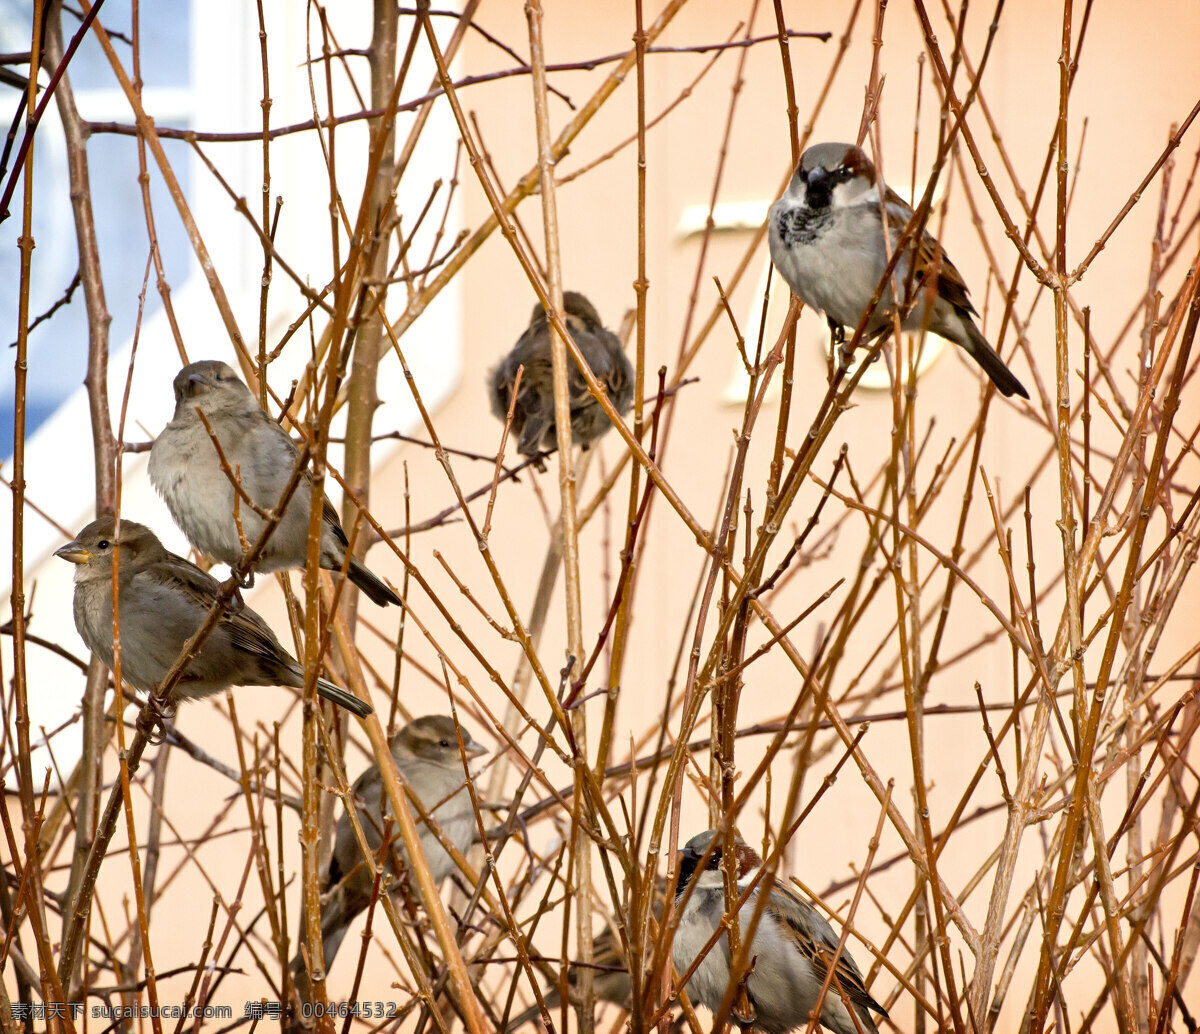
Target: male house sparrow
x=793, y=946
x=186, y=471
x=162, y=600
x=610, y=982
x=533, y=417
x=426, y=753
x=827, y=242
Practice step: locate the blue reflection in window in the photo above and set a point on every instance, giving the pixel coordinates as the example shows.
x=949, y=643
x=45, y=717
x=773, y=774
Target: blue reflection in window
x=58, y=347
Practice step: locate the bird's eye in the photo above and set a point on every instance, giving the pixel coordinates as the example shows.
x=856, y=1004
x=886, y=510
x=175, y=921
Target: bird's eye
x=444, y=743
x=103, y=544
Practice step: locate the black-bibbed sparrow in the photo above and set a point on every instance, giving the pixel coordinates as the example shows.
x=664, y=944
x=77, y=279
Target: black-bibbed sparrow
x=533, y=416
x=163, y=599
x=827, y=241
x=186, y=471
x=426, y=753
x=792, y=949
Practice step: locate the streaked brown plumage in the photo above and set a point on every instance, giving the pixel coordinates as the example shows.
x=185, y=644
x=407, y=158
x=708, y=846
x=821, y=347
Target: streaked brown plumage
x=829, y=242
x=533, y=416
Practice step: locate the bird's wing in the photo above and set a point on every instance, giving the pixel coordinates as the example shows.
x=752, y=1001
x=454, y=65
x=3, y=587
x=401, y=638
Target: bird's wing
x=329, y=517
x=531, y=351
x=817, y=942
x=274, y=464
x=178, y=585
x=950, y=282
x=162, y=605
x=284, y=459
x=500, y=382
x=263, y=449
x=533, y=345
x=249, y=632
x=602, y=350
x=197, y=589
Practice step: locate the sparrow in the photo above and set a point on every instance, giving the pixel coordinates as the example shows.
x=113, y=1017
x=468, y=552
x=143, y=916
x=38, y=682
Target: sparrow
x=426, y=753
x=186, y=471
x=163, y=599
x=792, y=949
x=827, y=241
x=533, y=416
x=610, y=982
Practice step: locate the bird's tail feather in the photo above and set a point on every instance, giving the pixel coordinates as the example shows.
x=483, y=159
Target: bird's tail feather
x=867, y=1020
x=374, y=588
x=536, y=423
x=983, y=353
x=333, y=930
x=339, y=696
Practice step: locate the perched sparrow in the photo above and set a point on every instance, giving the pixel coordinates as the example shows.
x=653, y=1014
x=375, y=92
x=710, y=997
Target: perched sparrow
x=533, y=417
x=610, y=982
x=186, y=471
x=426, y=753
x=827, y=242
x=792, y=948
x=163, y=599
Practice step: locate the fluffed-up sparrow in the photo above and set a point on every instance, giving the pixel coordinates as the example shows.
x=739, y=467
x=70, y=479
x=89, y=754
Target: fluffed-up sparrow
x=533, y=415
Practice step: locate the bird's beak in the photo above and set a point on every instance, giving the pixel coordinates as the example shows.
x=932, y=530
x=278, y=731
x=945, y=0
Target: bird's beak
x=817, y=177
x=196, y=380
x=74, y=553
x=474, y=750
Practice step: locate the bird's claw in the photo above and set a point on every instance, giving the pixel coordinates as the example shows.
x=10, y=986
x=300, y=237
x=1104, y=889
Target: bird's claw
x=745, y=1022
x=743, y=1013
x=158, y=714
x=242, y=583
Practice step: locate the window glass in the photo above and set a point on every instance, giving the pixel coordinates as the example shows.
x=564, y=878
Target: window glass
x=58, y=347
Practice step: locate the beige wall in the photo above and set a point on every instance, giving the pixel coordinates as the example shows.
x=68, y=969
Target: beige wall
x=1136, y=78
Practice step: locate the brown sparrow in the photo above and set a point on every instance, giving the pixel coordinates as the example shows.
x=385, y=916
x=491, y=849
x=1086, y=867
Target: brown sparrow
x=427, y=755
x=533, y=416
x=162, y=600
